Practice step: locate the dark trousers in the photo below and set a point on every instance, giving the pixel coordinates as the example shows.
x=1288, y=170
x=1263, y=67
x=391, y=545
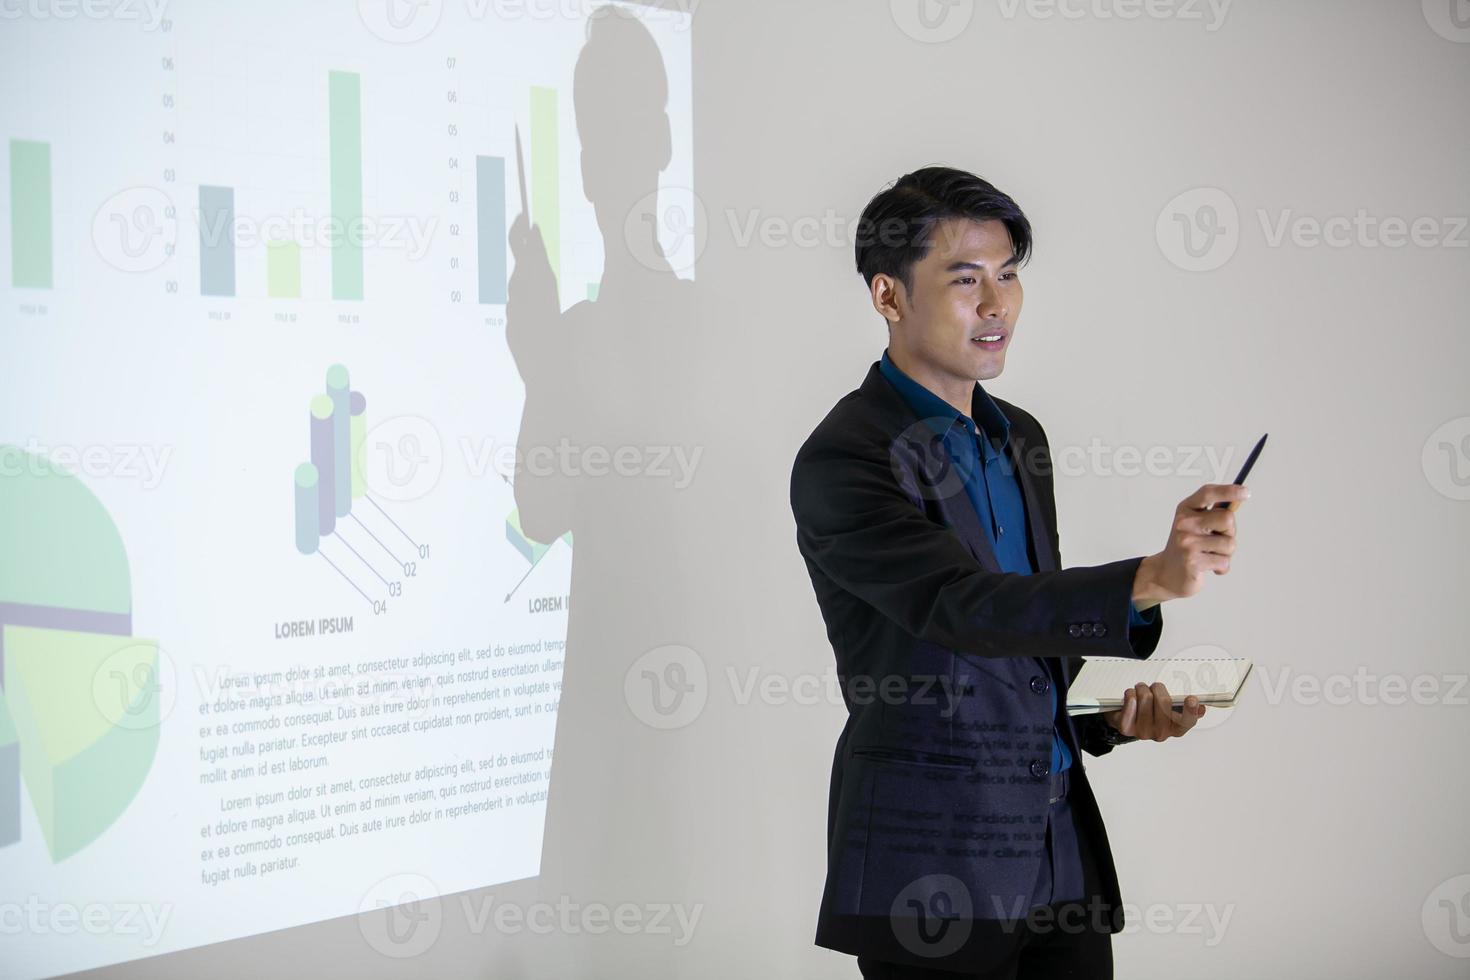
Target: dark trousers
x=1081, y=951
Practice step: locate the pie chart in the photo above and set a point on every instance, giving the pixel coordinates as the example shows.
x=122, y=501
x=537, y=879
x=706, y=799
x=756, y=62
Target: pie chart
x=79, y=694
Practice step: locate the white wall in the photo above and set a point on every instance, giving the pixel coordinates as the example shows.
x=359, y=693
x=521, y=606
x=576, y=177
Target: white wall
x=1319, y=829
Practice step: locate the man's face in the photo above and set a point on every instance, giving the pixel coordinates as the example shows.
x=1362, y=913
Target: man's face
x=961, y=314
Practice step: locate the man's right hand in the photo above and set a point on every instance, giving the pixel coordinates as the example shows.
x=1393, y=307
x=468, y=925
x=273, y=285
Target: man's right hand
x=1201, y=541
x=532, y=305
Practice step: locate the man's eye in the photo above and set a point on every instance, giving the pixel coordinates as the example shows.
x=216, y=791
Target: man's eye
x=966, y=280
x=1009, y=275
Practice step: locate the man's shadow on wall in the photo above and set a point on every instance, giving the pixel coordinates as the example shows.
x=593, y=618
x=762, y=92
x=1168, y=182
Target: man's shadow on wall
x=615, y=399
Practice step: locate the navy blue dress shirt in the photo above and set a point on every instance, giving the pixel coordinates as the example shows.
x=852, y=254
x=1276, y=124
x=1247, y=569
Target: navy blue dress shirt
x=979, y=455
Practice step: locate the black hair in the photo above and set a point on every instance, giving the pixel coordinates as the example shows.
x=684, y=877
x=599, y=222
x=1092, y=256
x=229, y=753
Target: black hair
x=896, y=228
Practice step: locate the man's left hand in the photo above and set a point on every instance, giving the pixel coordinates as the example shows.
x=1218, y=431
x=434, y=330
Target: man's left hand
x=1148, y=712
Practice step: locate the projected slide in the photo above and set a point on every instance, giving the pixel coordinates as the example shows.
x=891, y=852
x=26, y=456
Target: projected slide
x=79, y=708
x=276, y=635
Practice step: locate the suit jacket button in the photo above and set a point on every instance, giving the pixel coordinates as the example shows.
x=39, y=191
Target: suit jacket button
x=1039, y=768
x=1086, y=629
x=1040, y=685
x=1101, y=629
x=1074, y=630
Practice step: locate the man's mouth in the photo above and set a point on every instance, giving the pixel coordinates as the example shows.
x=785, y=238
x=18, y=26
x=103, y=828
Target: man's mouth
x=990, y=340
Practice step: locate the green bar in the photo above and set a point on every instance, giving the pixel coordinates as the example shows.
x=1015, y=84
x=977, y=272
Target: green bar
x=344, y=97
x=546, y=174
x=30, y=214
x=283, y=270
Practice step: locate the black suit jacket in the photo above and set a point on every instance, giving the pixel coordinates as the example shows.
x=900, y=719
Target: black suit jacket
x=940, y=782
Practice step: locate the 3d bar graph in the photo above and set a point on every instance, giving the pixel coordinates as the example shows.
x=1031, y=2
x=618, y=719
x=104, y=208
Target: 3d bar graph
x=325, y=486
x=322, y=449
x=357, y=436
x=308, y=522
x=341, y=396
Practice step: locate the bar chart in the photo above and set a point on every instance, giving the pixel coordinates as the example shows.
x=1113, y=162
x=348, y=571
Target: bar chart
x=30, y=214
x=367, y=547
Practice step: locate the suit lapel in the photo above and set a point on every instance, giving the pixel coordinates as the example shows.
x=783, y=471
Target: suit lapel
x=1035, y=520
x=949, y=495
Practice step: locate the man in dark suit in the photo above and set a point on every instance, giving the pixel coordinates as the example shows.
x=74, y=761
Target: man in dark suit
x=963, y=837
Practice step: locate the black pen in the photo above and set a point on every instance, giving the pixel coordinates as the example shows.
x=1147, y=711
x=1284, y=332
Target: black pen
x=1246, y=469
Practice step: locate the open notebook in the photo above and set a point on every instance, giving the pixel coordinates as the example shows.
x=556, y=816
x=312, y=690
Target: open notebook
x=1099, y=686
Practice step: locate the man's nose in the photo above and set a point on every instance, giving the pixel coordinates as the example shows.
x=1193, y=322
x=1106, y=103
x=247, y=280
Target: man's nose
x=991, y=306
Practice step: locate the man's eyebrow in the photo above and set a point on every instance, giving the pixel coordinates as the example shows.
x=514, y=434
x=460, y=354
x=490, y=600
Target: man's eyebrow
x=963, y=266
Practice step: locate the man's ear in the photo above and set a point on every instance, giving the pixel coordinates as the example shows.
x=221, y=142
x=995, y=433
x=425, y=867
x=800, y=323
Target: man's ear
x=888, y=297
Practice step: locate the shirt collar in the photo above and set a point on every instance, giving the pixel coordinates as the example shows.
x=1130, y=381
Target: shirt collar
x=941, y=415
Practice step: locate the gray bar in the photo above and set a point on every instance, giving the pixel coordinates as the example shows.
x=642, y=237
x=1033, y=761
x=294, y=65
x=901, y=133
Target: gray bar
x=490, y=231
x=216, y=241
